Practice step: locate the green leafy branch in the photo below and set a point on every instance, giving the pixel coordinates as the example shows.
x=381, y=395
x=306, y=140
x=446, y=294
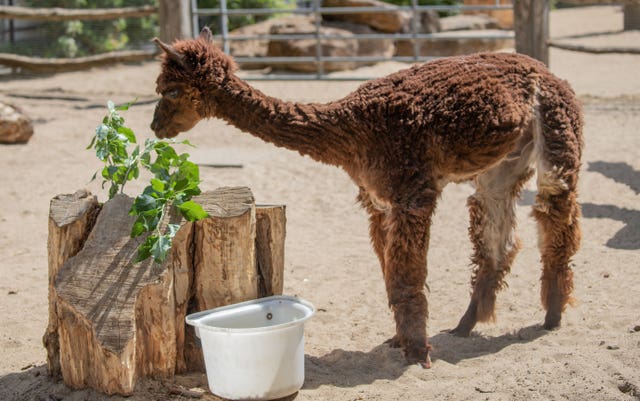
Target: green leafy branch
x=175, y=180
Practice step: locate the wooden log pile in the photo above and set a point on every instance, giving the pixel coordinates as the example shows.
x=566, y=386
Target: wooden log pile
x=112, y=322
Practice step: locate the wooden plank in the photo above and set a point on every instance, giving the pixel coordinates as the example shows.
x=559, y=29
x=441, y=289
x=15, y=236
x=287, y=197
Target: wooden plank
x=69, y=14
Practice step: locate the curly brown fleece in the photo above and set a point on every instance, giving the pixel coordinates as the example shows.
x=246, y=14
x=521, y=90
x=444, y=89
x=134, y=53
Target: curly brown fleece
x=491, y=119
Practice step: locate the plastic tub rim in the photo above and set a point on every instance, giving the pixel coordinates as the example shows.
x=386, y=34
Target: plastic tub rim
x=194, y=318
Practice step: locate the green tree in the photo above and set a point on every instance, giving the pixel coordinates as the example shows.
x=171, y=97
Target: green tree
x=79, y=38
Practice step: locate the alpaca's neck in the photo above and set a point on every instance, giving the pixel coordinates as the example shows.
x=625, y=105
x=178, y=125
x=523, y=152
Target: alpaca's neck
x=312, y=129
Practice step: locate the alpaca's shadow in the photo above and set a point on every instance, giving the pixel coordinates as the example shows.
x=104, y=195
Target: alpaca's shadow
x=629, y=236
x=342, y=368
x=621, y=173
x=453, y=349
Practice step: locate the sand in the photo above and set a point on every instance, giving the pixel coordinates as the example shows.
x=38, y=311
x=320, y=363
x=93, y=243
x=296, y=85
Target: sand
x=595, y=355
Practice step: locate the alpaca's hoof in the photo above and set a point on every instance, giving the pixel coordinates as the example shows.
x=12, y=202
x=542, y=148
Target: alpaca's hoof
x=552, y=321
x=551, y=325
x=420, y=358
x=460, y=331
x=394, y=342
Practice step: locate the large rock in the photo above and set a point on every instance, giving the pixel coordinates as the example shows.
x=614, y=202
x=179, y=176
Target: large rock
x=391, y=22
x=463, y=22
x=256, y=47
x=15, y=127
x=330, y=47
x=503, y=17
x=456, y=43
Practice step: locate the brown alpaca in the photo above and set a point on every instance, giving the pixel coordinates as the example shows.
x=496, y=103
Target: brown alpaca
x=485, y=118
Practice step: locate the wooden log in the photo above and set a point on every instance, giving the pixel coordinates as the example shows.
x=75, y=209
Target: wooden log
x=270, y=235
x=631, y=16
x=71, y=218
x=594, y=49
x=40, y=64
x=174, y=18
x=118, y=322
x=531, y=25
x=70, y=14
x=104, y=340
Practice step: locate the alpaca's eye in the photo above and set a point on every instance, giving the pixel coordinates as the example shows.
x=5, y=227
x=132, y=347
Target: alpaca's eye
x=172, y=94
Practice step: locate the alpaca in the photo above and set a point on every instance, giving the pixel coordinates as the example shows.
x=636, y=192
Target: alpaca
x=491, y=119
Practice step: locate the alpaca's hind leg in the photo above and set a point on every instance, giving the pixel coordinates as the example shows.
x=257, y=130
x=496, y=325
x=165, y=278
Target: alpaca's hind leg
x=558, y=213
x=492, y=232
x=377, y=232
x=405, y=274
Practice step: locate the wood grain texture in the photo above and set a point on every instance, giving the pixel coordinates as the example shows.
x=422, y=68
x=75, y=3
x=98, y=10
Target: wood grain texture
x=270, y=236
x=71, y=218
x=99, y=292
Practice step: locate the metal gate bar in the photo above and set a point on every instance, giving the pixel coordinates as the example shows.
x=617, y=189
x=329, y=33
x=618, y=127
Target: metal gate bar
x=316, y=10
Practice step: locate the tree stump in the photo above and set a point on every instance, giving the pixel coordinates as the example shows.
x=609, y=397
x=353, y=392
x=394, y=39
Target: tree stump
x=112, y=322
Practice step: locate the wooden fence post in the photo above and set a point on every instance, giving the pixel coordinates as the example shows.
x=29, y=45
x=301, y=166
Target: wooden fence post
x=531, y=25
x=631, y=16
x=174, y=18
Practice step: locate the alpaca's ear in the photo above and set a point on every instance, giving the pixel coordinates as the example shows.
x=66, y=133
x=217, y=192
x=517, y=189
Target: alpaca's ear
x=171, y=52
x=206, y=35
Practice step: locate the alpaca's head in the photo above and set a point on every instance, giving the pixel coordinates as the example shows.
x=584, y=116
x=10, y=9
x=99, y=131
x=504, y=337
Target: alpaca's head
x=191, y=70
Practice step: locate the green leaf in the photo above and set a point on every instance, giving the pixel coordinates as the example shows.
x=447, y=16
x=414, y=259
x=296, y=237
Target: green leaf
x=157, y=185
x=160, y=248
x=126, y=106
x=192, y=211
x=144, y=250
x=186, y=142
x=138, y=228
x=113, y=190
x=172, y=230
x=143, y=203
x=102, y=131
x=93, y=140
x=127, y=133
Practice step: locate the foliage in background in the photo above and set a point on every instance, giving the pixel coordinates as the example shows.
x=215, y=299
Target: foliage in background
x=237, y=21
x=81, y=38
x=175, y=181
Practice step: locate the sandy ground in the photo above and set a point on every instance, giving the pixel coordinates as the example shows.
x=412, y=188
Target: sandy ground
x=595, y=355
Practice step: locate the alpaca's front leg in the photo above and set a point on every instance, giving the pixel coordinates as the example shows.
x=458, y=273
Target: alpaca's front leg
x=405, y=266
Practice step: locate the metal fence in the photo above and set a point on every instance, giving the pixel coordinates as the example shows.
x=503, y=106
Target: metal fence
x=316, y=10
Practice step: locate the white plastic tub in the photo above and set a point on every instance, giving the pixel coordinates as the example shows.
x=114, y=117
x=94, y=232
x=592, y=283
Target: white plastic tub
x=254, y=350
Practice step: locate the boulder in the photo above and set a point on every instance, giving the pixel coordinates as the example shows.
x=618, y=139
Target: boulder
x=330, y=47
x=503, y=17
x=467, y=42
x=391, y=22
x=15, y=127
x=463, y=22
x=256, y=47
